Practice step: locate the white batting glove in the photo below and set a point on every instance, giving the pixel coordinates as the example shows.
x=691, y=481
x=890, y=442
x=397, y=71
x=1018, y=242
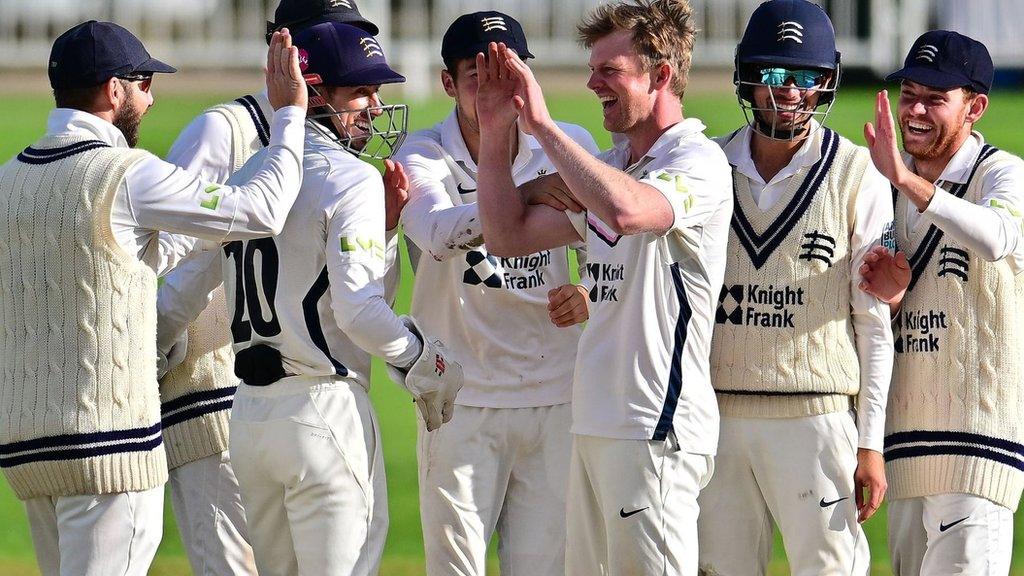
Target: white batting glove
x=165, y=362
x=433, y=380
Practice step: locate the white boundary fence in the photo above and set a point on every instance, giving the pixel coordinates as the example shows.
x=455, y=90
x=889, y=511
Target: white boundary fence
x=212, y=34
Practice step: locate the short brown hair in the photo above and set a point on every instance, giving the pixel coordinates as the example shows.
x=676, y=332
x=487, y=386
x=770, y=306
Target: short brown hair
x=663, y=31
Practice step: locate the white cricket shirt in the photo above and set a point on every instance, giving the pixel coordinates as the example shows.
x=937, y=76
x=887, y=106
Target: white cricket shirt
x=157, y=202
x=314, y=292
x=643, y=365
x=491, y=312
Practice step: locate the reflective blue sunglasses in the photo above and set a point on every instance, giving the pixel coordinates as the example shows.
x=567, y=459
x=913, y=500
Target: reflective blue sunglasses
x=801, y=78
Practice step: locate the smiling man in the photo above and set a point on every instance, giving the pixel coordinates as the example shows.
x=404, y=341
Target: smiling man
x=503, y=462
x=954, y=444
x=645, y=423
x=801, y=359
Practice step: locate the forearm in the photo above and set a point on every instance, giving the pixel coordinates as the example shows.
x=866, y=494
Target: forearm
x=874, y=341
x=374, y=328
x=501, y=208
x=442, y=230
x=615, y=197
x=185, y=293
x=983, y=229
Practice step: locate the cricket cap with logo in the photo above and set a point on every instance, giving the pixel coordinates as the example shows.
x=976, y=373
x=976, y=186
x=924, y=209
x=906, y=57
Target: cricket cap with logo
x=470, y=34
x=93, y=52
x=297, y=15
x=790, y=33
x=337, y=54
x=944, y=60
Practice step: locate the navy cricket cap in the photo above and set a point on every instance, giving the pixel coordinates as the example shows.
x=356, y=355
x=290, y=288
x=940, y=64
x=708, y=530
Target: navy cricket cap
x=300, y=14
x=791, y=33
x=339, y=54
x=944, y=60
x=93, y=52
x=471, y=33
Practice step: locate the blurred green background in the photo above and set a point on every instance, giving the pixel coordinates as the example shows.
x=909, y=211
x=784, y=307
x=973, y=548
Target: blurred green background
x=25, y=121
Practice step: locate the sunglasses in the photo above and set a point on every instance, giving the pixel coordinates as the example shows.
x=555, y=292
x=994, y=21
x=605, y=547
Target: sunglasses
x=145, y=80
x=804, y=79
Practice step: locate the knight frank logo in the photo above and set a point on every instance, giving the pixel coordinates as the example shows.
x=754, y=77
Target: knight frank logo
x=371, y=47
x=927, y=53
x=759, y=305
x=494, y=23
x=791, y=30
x=730, y=305
x=818, y=246
x=953, y=261
x=483, y=269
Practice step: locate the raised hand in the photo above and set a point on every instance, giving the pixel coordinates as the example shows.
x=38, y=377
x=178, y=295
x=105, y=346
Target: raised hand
x=285, y=86
x=396, y=193
x=529, y=97
x=885, y=275
x=881, y=139
x=495, y=89
x=568, y=305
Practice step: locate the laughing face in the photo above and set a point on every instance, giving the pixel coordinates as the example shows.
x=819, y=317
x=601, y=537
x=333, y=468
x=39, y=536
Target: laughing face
x=784, y=109
x=933, y=122
x=618, y=77
x=356, y=106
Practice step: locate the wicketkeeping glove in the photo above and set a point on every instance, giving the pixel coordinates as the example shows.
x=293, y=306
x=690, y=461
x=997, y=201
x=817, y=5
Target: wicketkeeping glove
x=433, y=380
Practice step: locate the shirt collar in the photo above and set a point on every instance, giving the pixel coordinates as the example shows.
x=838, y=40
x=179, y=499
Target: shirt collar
x=958, y=170
x=453, y=143
x=668, y=140
x=737, y=152
x=70, y=121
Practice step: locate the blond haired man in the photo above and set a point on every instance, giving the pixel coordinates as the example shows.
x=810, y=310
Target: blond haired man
x=657, y=210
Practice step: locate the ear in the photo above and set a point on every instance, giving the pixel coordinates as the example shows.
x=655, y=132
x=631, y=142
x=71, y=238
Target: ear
x=976, y=108
x=113, y=93
x=448, y=82
x=661, y=76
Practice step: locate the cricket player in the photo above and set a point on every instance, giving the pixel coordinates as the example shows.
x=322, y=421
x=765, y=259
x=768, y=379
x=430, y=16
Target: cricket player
x=801, y=359
x=196, y=395
x=84, y=234
x=308, y=310
x=954, y=444
x=503, y=462
x=645, y=421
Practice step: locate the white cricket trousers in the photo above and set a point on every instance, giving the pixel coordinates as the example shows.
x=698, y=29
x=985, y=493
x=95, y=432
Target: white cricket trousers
x=307, y=454
x=796, y=473
x=208, y=510
x=950, y=534
x=97, y=535
x=496, y=468
x=632, y=507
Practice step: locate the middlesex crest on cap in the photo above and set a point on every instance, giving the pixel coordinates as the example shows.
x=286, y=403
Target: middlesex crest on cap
x=470, y=34
x=944, y=59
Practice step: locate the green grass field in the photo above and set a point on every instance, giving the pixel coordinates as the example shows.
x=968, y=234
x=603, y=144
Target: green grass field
x=26, y=121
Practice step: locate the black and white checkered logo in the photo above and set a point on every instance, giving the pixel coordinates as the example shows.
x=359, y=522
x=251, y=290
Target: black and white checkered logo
x=730, y=305
x=927, y=53
x=483, y=269
x=791, y=30
x=494, y=23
